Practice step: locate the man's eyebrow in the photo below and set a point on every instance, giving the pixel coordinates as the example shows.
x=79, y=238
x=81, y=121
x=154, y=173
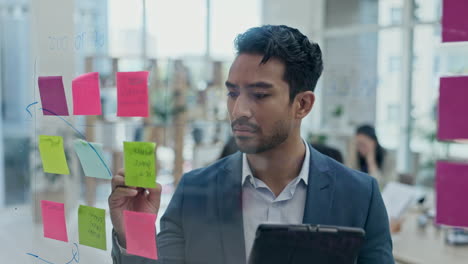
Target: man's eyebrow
x=264, y=85
x=231, y=85
x=260, y=85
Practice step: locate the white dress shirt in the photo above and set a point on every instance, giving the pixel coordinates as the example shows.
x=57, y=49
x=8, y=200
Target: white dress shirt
x=260, y=205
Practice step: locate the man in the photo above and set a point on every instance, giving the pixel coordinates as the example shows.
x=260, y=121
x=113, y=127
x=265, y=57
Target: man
x=277, y=177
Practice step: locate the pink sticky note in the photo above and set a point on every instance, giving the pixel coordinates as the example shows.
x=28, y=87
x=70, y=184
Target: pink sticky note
x=451, y=193
x=132, y=94
x=53, y=219
x=140, y=232
x=454, y=22
x=86, y=94
x=453, y=108
x=53, y=97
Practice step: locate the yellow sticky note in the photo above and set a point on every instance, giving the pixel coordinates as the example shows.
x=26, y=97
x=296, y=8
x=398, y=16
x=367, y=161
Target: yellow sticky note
x=140, y=169
x=53, y=154
x=92, y=227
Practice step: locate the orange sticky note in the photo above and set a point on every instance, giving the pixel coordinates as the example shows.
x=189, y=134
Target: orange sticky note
x=140, y=232
x=53, y=219
x=86, y=94
x=132, y=94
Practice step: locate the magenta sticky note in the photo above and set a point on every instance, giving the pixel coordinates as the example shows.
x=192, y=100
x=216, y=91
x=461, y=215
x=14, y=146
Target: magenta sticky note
x=140, y=233
x=454, y=22
x=53, y=219
x=53, y=97
x=451, y=193
x=86, y=94
x=453, y=108
x=132, y=94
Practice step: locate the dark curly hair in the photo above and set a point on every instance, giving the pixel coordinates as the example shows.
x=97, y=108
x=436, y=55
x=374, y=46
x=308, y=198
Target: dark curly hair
x=302, y=58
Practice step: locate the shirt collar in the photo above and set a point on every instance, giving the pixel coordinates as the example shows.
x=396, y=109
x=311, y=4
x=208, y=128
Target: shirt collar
x=303, y=174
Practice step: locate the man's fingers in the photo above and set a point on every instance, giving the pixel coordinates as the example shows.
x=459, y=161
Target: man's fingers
x=154, y=195
x=117, y=180
x=122, y=192
x=121, y=172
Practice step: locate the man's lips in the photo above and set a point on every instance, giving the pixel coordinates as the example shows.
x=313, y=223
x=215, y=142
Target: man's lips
x=243, y=128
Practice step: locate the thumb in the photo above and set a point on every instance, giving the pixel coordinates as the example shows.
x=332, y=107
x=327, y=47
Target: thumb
x=154, y=196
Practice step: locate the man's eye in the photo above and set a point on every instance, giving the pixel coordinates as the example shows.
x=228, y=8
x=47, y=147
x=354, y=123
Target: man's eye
x=260, y=95
x=232, y=94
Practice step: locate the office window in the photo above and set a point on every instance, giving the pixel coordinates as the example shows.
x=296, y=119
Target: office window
x=125, y=34
x=416, y=62
x=226, y=23
x=176, y=28
x=351, y=12
x=393, y=112
x=394, y=64
x=396, y=15
x=427, y=10
x=425, y=83
x=390, y=12
x=389, y=86
x=349, y=80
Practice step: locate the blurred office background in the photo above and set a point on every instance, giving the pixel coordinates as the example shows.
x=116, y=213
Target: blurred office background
x=383, y=60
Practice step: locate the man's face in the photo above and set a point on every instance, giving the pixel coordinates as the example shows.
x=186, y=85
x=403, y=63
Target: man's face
x=258, y=103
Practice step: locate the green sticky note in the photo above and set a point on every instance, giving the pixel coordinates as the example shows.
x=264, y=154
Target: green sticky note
x=140, y=169
x=92, y=159
x=53, y=155
x=92, y=227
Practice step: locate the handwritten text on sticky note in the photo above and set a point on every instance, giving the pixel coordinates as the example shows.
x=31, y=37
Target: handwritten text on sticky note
x=132, y=94
x=140, y=233
x=92, y=227
x=53, y=97
x=140, y=170
x=53, y=219
x=92, y=159
x=53, y=154
x=86, y=94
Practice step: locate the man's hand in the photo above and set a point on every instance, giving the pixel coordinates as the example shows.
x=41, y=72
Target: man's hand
x=132, y=199
x=371, y=159
x=395, y=225
x=370, y=147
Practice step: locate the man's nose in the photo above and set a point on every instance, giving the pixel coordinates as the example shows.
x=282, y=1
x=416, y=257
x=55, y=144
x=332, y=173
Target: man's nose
x=242, y=107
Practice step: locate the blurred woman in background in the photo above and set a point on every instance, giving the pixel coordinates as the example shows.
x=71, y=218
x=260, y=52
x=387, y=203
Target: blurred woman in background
x=372, y=158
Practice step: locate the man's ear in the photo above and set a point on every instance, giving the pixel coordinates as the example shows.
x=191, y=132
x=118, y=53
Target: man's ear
x=304, y=102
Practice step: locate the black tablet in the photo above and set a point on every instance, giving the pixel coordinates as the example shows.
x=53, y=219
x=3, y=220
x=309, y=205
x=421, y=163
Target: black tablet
x=301, y=244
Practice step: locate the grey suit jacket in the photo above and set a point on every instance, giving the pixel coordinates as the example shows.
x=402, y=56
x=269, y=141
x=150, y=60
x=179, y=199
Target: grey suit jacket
x=203, y=222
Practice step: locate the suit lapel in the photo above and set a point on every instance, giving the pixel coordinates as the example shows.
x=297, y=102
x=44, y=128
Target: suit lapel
x=229, y=200
x=320, y=190
x=317, y=209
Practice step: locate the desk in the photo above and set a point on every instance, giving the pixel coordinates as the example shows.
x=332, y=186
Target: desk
x=414, y=245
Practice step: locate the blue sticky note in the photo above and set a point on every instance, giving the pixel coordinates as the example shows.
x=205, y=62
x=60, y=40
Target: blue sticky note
x=92, y=159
